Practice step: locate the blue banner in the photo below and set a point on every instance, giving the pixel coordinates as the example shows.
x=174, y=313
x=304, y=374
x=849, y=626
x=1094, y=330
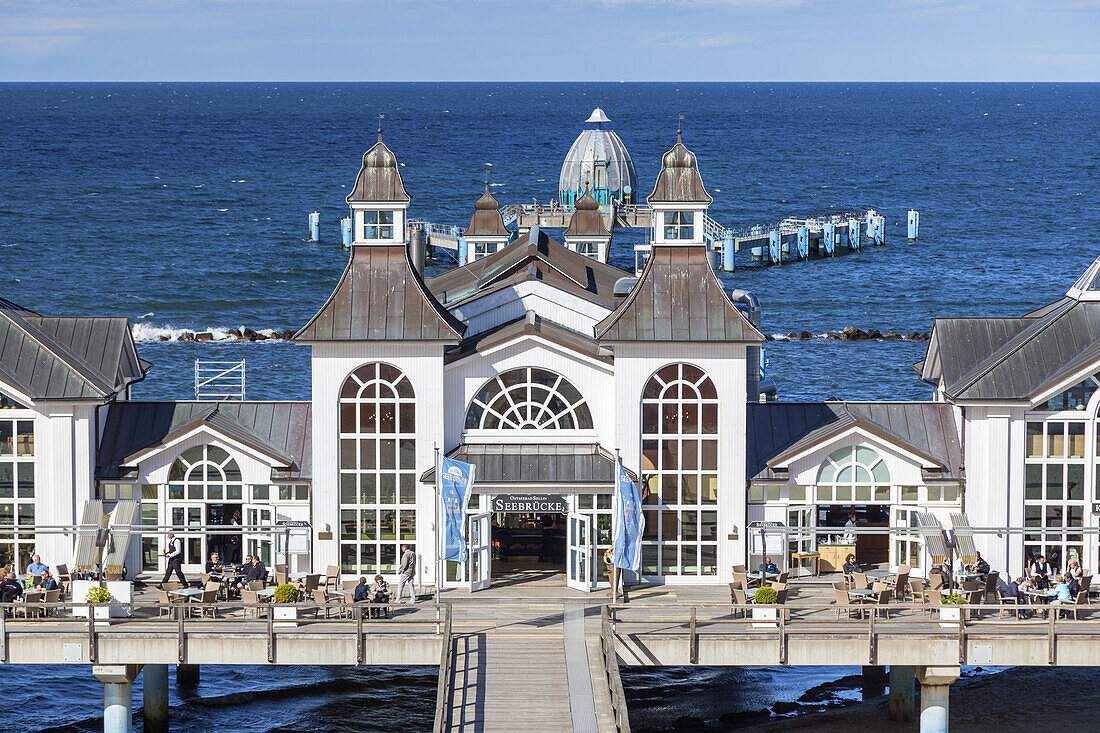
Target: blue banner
x=456, y=482
x=629, y=523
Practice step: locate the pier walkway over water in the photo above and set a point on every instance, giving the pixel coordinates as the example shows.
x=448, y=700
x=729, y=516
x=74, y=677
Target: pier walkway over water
x=547, y=658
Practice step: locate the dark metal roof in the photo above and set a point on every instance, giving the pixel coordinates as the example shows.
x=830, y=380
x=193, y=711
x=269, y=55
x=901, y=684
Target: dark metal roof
x=679, y=180
x=532, y=324
x=1014, y=358
x=379, y=178
x=486, y=220
x=66, y=358
x=280, y=430
x=780, y=430
x=538, y=465
x=587, y=221
x=534, y=256
x=677, y=298
x=381, y=297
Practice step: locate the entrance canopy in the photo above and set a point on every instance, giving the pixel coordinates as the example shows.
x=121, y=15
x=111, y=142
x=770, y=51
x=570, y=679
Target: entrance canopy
x=585, y=465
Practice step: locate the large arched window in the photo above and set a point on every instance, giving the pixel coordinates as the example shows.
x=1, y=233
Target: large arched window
x=377, y=469
x=680, y=472
x=855, y=474
x=528, y=398
x=205, y=472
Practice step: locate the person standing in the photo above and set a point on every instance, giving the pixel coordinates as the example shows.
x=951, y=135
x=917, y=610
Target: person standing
x=174, y=555
x=406, y=571
x=35, y=570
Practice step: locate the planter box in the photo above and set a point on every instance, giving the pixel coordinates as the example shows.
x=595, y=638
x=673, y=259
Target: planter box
x=768, y=613
x=285, y=615
x=950, y=614
x=122, y=591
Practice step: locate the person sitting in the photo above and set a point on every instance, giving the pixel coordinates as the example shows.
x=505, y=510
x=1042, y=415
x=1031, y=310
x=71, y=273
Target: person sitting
x=10, y=588
x=981, y=566
x=1074, y=586
x=47, y=582
x=246, y=573
x=1040, y=573
x=1060, y=594
x=258, y=571
x=35, y=570
x=214, y=564
x=380, y=592
x=851, y=567
x=768, y=567
x=1074, y=569
x=362, y=591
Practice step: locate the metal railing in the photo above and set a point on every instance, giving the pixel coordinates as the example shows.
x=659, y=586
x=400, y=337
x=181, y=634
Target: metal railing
x=611, y=674
x=443, y=682
x=686, y=620
x=219, y=380
x=334, y=623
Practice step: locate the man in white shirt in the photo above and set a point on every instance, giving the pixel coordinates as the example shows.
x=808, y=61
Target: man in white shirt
x=850, y=529
x=174, y=555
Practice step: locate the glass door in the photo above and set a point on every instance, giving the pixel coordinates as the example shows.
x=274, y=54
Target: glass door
x=479, y=562
x=906, y=548
x=258, y=542
x=181, y=517
x=579, y=563
x=800, y=539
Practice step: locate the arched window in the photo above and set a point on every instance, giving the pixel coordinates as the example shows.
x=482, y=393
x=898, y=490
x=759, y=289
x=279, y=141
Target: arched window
x=205, y=472
x=680, y=472
x=857, y=474
x=377, y=469
x=528, y=398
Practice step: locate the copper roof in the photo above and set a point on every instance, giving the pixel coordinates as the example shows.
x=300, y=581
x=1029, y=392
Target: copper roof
x=486, y=220
x=381, y=297
x=534, y=256
x=531, y=325
x=379, y=179
x=677, y=298
x=66, y=358
x=587, y=221
x=679, y=180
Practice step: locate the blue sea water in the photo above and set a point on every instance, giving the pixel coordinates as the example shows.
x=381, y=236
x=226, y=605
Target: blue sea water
x=184, y=206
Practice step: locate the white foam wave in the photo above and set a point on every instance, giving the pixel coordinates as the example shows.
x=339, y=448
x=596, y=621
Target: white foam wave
x=144, y=332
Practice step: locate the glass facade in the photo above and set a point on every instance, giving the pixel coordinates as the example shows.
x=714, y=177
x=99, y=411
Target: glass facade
x=853, y=475
x=377, y=469
x=16, y=491
x=528, y=399
x=680, y=473
x=1054, y=490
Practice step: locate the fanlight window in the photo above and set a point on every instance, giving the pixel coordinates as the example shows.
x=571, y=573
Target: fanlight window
x=1075, y=398
x=205, y=472
x=853, y=474
x=529, y=399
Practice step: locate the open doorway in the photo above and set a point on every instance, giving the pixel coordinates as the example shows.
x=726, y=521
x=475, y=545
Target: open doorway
x=227, y=544
x=528, y=547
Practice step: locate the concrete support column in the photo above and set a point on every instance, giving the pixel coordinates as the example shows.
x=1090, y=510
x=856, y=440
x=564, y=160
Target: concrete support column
x=874, y=681
x=187, y=675
x=154, y=688
x=935, y=690
x=118, y=681
x=902, y=682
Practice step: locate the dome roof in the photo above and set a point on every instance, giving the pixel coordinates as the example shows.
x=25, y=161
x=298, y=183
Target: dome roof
x=679, y=180
x=587, y=220
x=598, y=146
x=486, y=220
x=379, y=179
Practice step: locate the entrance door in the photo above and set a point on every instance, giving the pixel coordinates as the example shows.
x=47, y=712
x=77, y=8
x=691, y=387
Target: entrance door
x=800, y=539
x=257, y=542
x=905, y=547
x=181, y=517
x=479, y=562
x=579, y=564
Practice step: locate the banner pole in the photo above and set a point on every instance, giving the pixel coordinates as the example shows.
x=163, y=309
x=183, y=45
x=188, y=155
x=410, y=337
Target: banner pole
x=438, y=542
x=617, y=505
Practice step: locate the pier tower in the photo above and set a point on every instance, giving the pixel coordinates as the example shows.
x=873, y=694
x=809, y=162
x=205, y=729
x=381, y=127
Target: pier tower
x=679, y=200
x=486, y=233
x=379, y=200
x=598, y=160
x=587, y=234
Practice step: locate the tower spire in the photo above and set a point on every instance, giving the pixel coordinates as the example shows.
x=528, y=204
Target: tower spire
x=380, y=116
x=679, y=127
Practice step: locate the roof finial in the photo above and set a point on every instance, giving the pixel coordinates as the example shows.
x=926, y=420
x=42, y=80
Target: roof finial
x=486, y=180
x=679, y=127
x=380, y=116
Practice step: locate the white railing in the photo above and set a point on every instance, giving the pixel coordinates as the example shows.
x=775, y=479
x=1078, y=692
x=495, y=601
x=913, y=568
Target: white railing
x=219, y=380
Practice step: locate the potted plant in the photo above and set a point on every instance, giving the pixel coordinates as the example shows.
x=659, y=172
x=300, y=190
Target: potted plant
x=283, y=600
x=951, y=608
x=764, y=605
x=98, y=597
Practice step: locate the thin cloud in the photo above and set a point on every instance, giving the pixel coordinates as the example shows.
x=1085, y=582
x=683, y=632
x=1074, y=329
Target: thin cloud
x=700, y=40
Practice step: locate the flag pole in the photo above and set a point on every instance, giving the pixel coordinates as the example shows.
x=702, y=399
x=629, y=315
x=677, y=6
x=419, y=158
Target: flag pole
x=438, y=537
x=616, y=504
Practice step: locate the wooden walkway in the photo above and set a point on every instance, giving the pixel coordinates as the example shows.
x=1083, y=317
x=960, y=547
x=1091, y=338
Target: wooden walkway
x=521, y=667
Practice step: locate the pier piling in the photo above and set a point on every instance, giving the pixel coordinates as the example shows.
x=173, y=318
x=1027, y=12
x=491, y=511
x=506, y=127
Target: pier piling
x=729, y=248
x=803, y=241
x=914, y=223
x=187, y=675
x=935, y=689
x=854, y=237
x=828, y=238
x=118, y=683
x=418, y=248
x=154, y=691
x=775, y=247
x=902, y=683
x=315, y=226
x=345, y=231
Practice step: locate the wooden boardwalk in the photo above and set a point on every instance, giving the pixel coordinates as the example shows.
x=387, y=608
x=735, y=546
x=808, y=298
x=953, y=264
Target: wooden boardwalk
x=516, y=668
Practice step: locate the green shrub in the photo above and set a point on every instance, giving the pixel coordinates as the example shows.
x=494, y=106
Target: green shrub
x=953, y=599
x=285, y=593
x=98, y=595
x=765, y=594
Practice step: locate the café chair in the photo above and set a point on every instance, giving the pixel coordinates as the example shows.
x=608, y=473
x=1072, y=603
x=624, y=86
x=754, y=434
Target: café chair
x=842, y=599
x=859, y=580
x=332, y=577
x=739, y=599
x=51, y=597
x=206, y=604
x=249, y=598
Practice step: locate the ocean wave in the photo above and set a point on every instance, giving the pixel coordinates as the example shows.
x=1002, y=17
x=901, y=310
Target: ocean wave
x=146, y=332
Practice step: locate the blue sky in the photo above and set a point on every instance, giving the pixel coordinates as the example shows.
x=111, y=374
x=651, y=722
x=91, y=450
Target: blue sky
x=516, y=40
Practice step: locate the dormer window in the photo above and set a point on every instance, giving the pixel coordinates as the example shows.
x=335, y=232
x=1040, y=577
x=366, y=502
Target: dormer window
x=680, y=225
x=378, y=224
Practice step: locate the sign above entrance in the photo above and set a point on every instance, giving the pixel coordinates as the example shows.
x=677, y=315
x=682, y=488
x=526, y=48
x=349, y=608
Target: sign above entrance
x=536, y=503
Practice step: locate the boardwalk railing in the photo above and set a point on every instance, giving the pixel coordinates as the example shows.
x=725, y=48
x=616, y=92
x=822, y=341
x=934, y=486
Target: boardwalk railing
x=611, y=674
x=326, y=621
x=701, y=622
x=443, y=682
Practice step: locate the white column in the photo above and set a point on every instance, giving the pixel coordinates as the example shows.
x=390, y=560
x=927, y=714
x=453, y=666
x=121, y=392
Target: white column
x=935, y=689
x=118, y=681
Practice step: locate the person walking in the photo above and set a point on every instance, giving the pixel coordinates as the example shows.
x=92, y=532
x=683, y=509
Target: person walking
x=406, y=571
x=174, y=555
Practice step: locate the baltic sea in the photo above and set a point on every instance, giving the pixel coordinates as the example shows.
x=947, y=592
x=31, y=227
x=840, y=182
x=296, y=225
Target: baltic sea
x=183, y=206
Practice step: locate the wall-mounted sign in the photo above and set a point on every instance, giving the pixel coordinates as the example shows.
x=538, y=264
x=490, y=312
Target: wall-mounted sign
x=538, y=503
x=1096, y=508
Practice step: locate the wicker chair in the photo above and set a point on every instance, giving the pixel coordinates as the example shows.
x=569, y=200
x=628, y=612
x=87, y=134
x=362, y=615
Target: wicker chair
x=739, y=599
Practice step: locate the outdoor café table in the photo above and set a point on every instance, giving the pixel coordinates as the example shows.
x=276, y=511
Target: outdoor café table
x=865, y=592
x=265, y=593
x=187, y=594
x=877, y=574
